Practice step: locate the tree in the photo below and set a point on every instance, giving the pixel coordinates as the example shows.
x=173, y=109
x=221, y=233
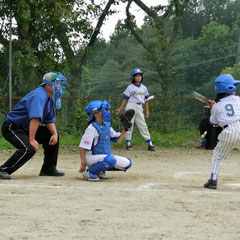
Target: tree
x=160, y=17
x=201, y=12
x=47, y=35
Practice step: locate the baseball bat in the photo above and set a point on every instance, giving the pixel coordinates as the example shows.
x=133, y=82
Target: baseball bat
x=200, y=97
x=150, y=98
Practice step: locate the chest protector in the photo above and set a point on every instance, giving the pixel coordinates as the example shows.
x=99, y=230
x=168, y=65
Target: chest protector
x=104, y=142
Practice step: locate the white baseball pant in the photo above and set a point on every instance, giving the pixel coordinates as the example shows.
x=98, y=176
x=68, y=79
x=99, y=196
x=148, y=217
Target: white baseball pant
x=228, y=139
x=140, y=121
x=121, y=162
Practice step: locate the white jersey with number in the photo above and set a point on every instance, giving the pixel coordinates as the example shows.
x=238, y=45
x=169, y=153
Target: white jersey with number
x=226, y=111
x=136, y=93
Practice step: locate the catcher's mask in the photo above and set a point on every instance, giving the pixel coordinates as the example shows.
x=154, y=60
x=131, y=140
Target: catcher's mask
x=99, y=106
x=225, y=83
x=135, y=72
x=57, y=81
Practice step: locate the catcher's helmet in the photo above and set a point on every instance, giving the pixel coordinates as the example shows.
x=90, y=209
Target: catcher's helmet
x=225, y=83
x=57, y=80
x=135, y=72
x=98, y=106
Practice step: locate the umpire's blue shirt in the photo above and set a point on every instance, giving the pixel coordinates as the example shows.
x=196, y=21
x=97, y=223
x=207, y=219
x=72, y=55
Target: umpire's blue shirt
x=35, y=104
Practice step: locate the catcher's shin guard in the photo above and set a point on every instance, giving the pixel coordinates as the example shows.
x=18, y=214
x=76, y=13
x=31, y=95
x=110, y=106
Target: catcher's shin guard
x=108, y=163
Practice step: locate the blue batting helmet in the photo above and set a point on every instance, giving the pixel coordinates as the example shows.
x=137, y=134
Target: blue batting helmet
x=98, y=106
x=225, y=83
x=135, y=72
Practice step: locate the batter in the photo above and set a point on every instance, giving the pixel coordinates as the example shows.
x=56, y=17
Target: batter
x=225, y=112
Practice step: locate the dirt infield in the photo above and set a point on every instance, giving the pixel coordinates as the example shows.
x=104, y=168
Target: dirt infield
x=160, y=197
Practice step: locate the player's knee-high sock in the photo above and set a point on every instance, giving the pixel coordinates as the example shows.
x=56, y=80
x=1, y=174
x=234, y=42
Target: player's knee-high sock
x=149, y=141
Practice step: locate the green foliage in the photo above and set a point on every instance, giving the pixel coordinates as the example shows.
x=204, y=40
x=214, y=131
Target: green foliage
x=81, y=119
x=45, y=33
x=202, y=12
x=231, y=70
x=46, y=37
x=176, y=139
x=186, y=138
x=181, y=139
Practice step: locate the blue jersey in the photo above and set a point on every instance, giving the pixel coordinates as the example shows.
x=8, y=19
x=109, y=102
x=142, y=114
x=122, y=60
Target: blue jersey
x=35, y=104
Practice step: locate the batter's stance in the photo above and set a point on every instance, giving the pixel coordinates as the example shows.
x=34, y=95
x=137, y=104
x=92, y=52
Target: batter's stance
x=225, y=113
x=134, y=96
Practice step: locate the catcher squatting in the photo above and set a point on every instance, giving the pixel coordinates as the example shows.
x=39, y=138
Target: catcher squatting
x=95, y=145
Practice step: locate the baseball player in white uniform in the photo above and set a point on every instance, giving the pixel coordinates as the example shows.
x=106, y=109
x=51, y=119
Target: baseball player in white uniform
x=226, y=114
x=135, y=96
x=95, y=145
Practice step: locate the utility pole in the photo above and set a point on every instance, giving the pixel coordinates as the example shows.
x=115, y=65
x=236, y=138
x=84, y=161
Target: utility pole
x=237, y=57
x=10, y=59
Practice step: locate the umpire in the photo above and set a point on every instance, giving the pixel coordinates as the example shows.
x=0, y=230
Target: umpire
x=23, y=129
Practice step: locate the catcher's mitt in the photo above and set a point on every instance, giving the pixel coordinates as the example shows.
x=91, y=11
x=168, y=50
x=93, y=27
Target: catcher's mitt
x=126, y=118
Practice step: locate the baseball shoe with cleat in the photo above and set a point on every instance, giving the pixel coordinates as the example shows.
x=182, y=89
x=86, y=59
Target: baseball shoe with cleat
x=4, y=176
x=102, y=175
x=53, y=172
x=90, y=176
x=151, y=148
x=211, y=184
x=129, y=146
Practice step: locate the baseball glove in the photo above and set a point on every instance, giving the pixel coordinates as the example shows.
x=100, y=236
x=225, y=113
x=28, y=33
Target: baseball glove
x=126, y=118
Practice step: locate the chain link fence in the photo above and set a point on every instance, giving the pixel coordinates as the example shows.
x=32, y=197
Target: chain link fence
x=166, y=114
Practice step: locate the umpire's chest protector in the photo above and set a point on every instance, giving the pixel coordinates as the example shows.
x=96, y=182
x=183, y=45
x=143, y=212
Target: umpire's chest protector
x=104, y=144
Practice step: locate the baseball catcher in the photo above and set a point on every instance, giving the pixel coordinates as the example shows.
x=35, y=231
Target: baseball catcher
x=126, y=118
x=95, y=146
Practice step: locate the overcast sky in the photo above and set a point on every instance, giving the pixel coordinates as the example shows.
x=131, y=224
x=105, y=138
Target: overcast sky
x=108, y=28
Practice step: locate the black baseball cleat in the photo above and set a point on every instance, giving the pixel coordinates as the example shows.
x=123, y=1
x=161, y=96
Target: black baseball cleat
x=151, y=148
x=212, y=184
x=4, y=175
x=129, y=147
x=51, y=172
